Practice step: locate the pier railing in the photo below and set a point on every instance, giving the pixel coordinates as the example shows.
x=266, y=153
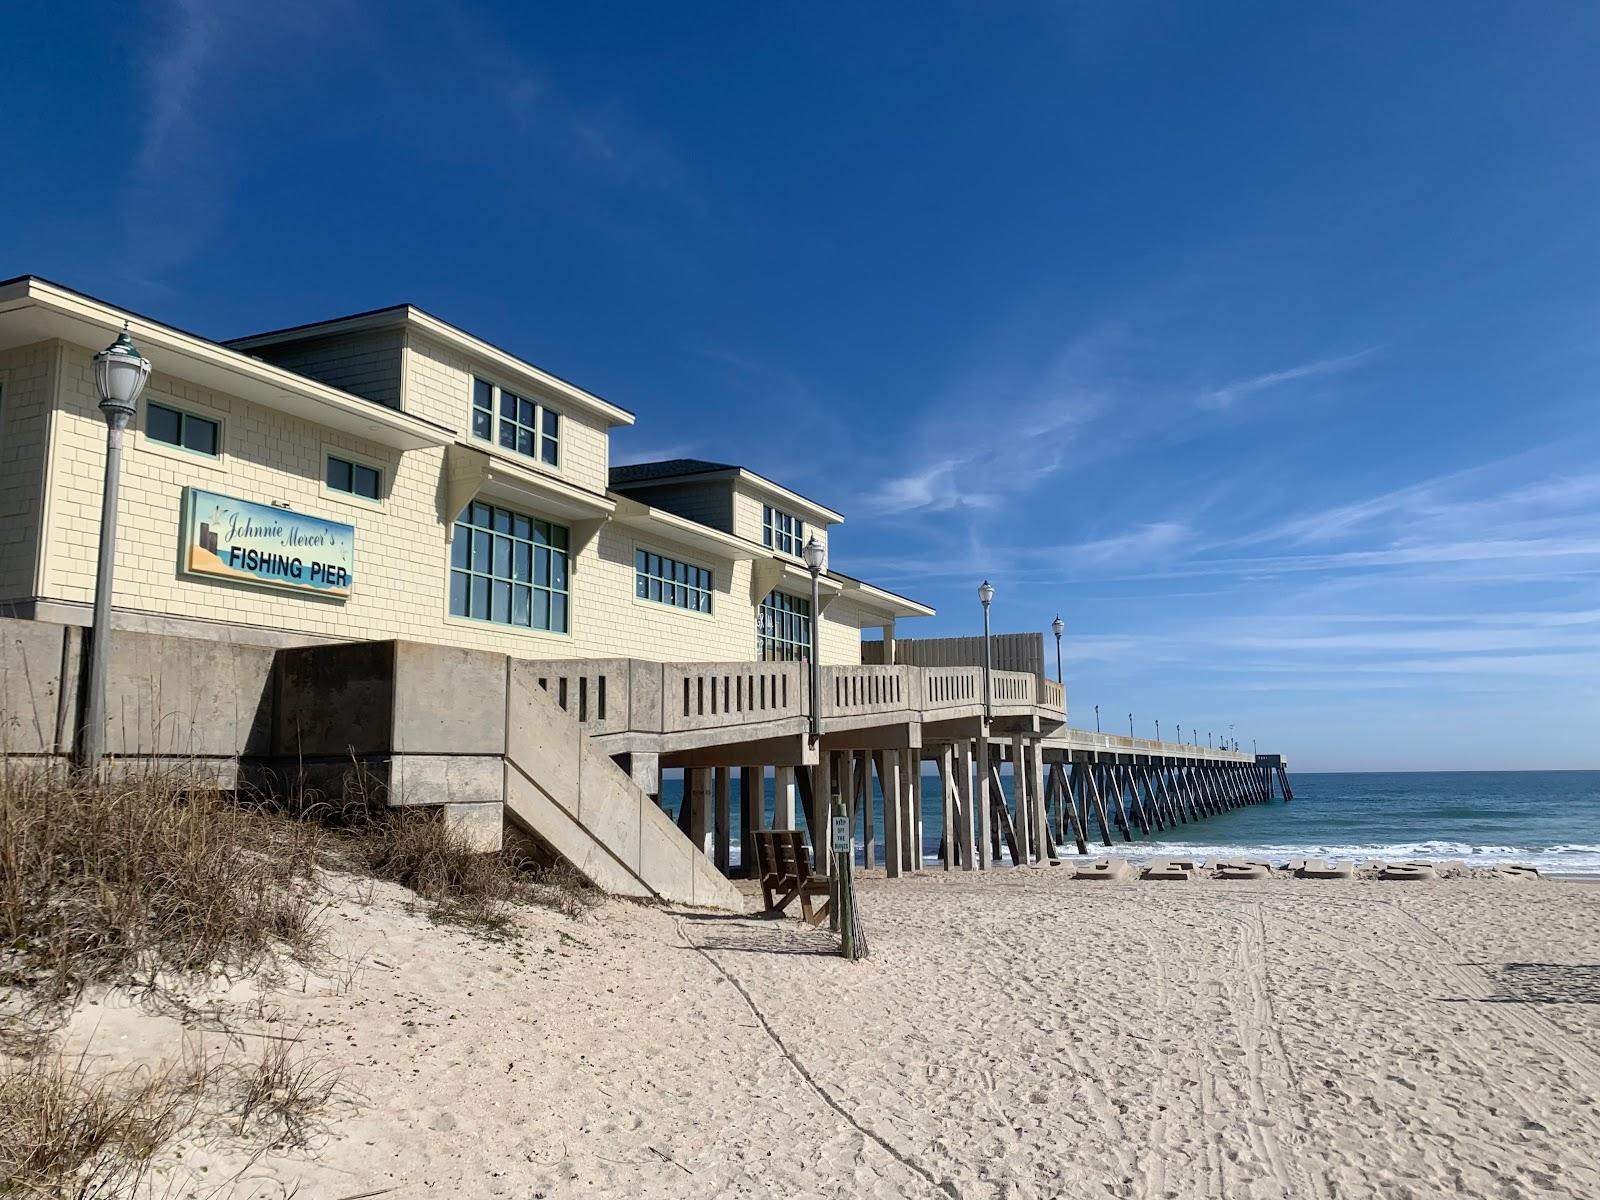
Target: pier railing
x=631, y=696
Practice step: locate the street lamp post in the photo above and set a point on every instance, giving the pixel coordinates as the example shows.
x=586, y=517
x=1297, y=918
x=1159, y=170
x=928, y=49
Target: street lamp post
x=1130, y=727
x=1158, y=729
x=1097, y=718
x=1058, y=627
x=120, y=372
x=985, y=596
x=813, y=554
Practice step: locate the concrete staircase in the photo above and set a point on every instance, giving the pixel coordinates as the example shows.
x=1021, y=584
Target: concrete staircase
x=572, y=797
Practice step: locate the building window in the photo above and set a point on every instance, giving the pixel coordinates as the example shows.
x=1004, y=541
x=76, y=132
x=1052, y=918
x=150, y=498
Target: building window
x=184, y=430
x=522, y=426
x=355, y=478
x=509, y=568
x=782, y=531
x=668, y=581
x=784, y=628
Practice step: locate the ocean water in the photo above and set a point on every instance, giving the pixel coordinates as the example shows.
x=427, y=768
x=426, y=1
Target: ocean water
x=1550, y=819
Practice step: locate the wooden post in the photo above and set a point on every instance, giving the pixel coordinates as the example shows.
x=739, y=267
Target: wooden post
x=1071, y=816
x=723, y=787
x=1021, y=799
x=1002, y=818
x=750, y=806
x=1090, y=798
x=1046, y=840
x=949, y=845
x=911, y=780
x=822, y=806
x=966, y=817
x=869, y=829
x=981, y=773
x=893, y=810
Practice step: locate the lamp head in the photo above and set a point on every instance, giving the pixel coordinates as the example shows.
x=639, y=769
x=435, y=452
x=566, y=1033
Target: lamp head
x=120, y=373
x=813, y=554
x=985, y=593
x=1058, y=626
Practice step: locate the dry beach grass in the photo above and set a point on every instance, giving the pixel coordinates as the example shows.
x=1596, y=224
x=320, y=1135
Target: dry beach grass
x=152, y=887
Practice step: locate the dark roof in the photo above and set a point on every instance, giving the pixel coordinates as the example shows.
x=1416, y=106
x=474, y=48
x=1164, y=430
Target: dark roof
x=670, y=468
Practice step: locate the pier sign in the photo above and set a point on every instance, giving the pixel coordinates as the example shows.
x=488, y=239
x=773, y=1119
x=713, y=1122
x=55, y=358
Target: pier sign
x=226, y=538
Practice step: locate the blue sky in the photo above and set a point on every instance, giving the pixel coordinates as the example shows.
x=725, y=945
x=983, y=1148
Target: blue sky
x=1259, y=342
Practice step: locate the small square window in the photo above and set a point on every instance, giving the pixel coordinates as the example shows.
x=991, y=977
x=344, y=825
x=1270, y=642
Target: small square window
x=184, y=430
x=354, y=478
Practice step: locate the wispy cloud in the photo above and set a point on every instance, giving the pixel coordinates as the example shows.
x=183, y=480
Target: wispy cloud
x=1229, y=393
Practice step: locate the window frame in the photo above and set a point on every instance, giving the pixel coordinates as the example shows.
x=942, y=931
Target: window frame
x=185, y=411
x=773, y=535
x=536, y=429
x=797, y=609
x=709, y=591
x=355, y=459
x=466, y=543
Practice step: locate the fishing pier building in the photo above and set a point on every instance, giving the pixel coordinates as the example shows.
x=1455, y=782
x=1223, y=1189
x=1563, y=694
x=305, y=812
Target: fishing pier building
x=380, y=548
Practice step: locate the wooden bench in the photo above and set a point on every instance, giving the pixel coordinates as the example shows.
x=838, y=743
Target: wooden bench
x=786, y=873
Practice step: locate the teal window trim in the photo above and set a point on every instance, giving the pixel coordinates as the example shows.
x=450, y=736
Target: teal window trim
x=662, y=579
x=784, y=628
x=515, y=422
x=507, y=568
x=782, y=531
x=188, y=431
x=353, y=478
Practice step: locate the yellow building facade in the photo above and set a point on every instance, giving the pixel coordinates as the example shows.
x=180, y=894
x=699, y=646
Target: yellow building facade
x=472, y=493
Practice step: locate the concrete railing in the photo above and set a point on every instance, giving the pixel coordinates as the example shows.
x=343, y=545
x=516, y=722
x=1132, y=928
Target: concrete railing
x=720, y=695
x=1013, y=687
x=1052, y=695
x=951, y=687
x=614, y=696
x=594, y=692
x=854, y=691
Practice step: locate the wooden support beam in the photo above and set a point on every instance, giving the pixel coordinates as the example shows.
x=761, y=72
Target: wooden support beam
x=1083, y=776
x=966, y=817
x=1045, y=840
x=864, y=803
x=751, y=804
x=723, y=836
x=821, y=807
x=1020, y=799
x=889, y=783
x=1002, y=816
x=981, y=802
x=1071, y=817
x=911, y=782
x=1098, y=774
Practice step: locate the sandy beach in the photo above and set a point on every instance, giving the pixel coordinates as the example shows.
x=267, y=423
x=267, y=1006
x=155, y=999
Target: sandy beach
x=1013, y=1035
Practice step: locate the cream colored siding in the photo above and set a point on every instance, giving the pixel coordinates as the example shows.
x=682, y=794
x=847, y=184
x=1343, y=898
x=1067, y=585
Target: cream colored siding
x=439, y=389
x=402, y=552
x=749, y=512
x=25, y=390
x=364, y=364
x=841, y=633
x=616, y=622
